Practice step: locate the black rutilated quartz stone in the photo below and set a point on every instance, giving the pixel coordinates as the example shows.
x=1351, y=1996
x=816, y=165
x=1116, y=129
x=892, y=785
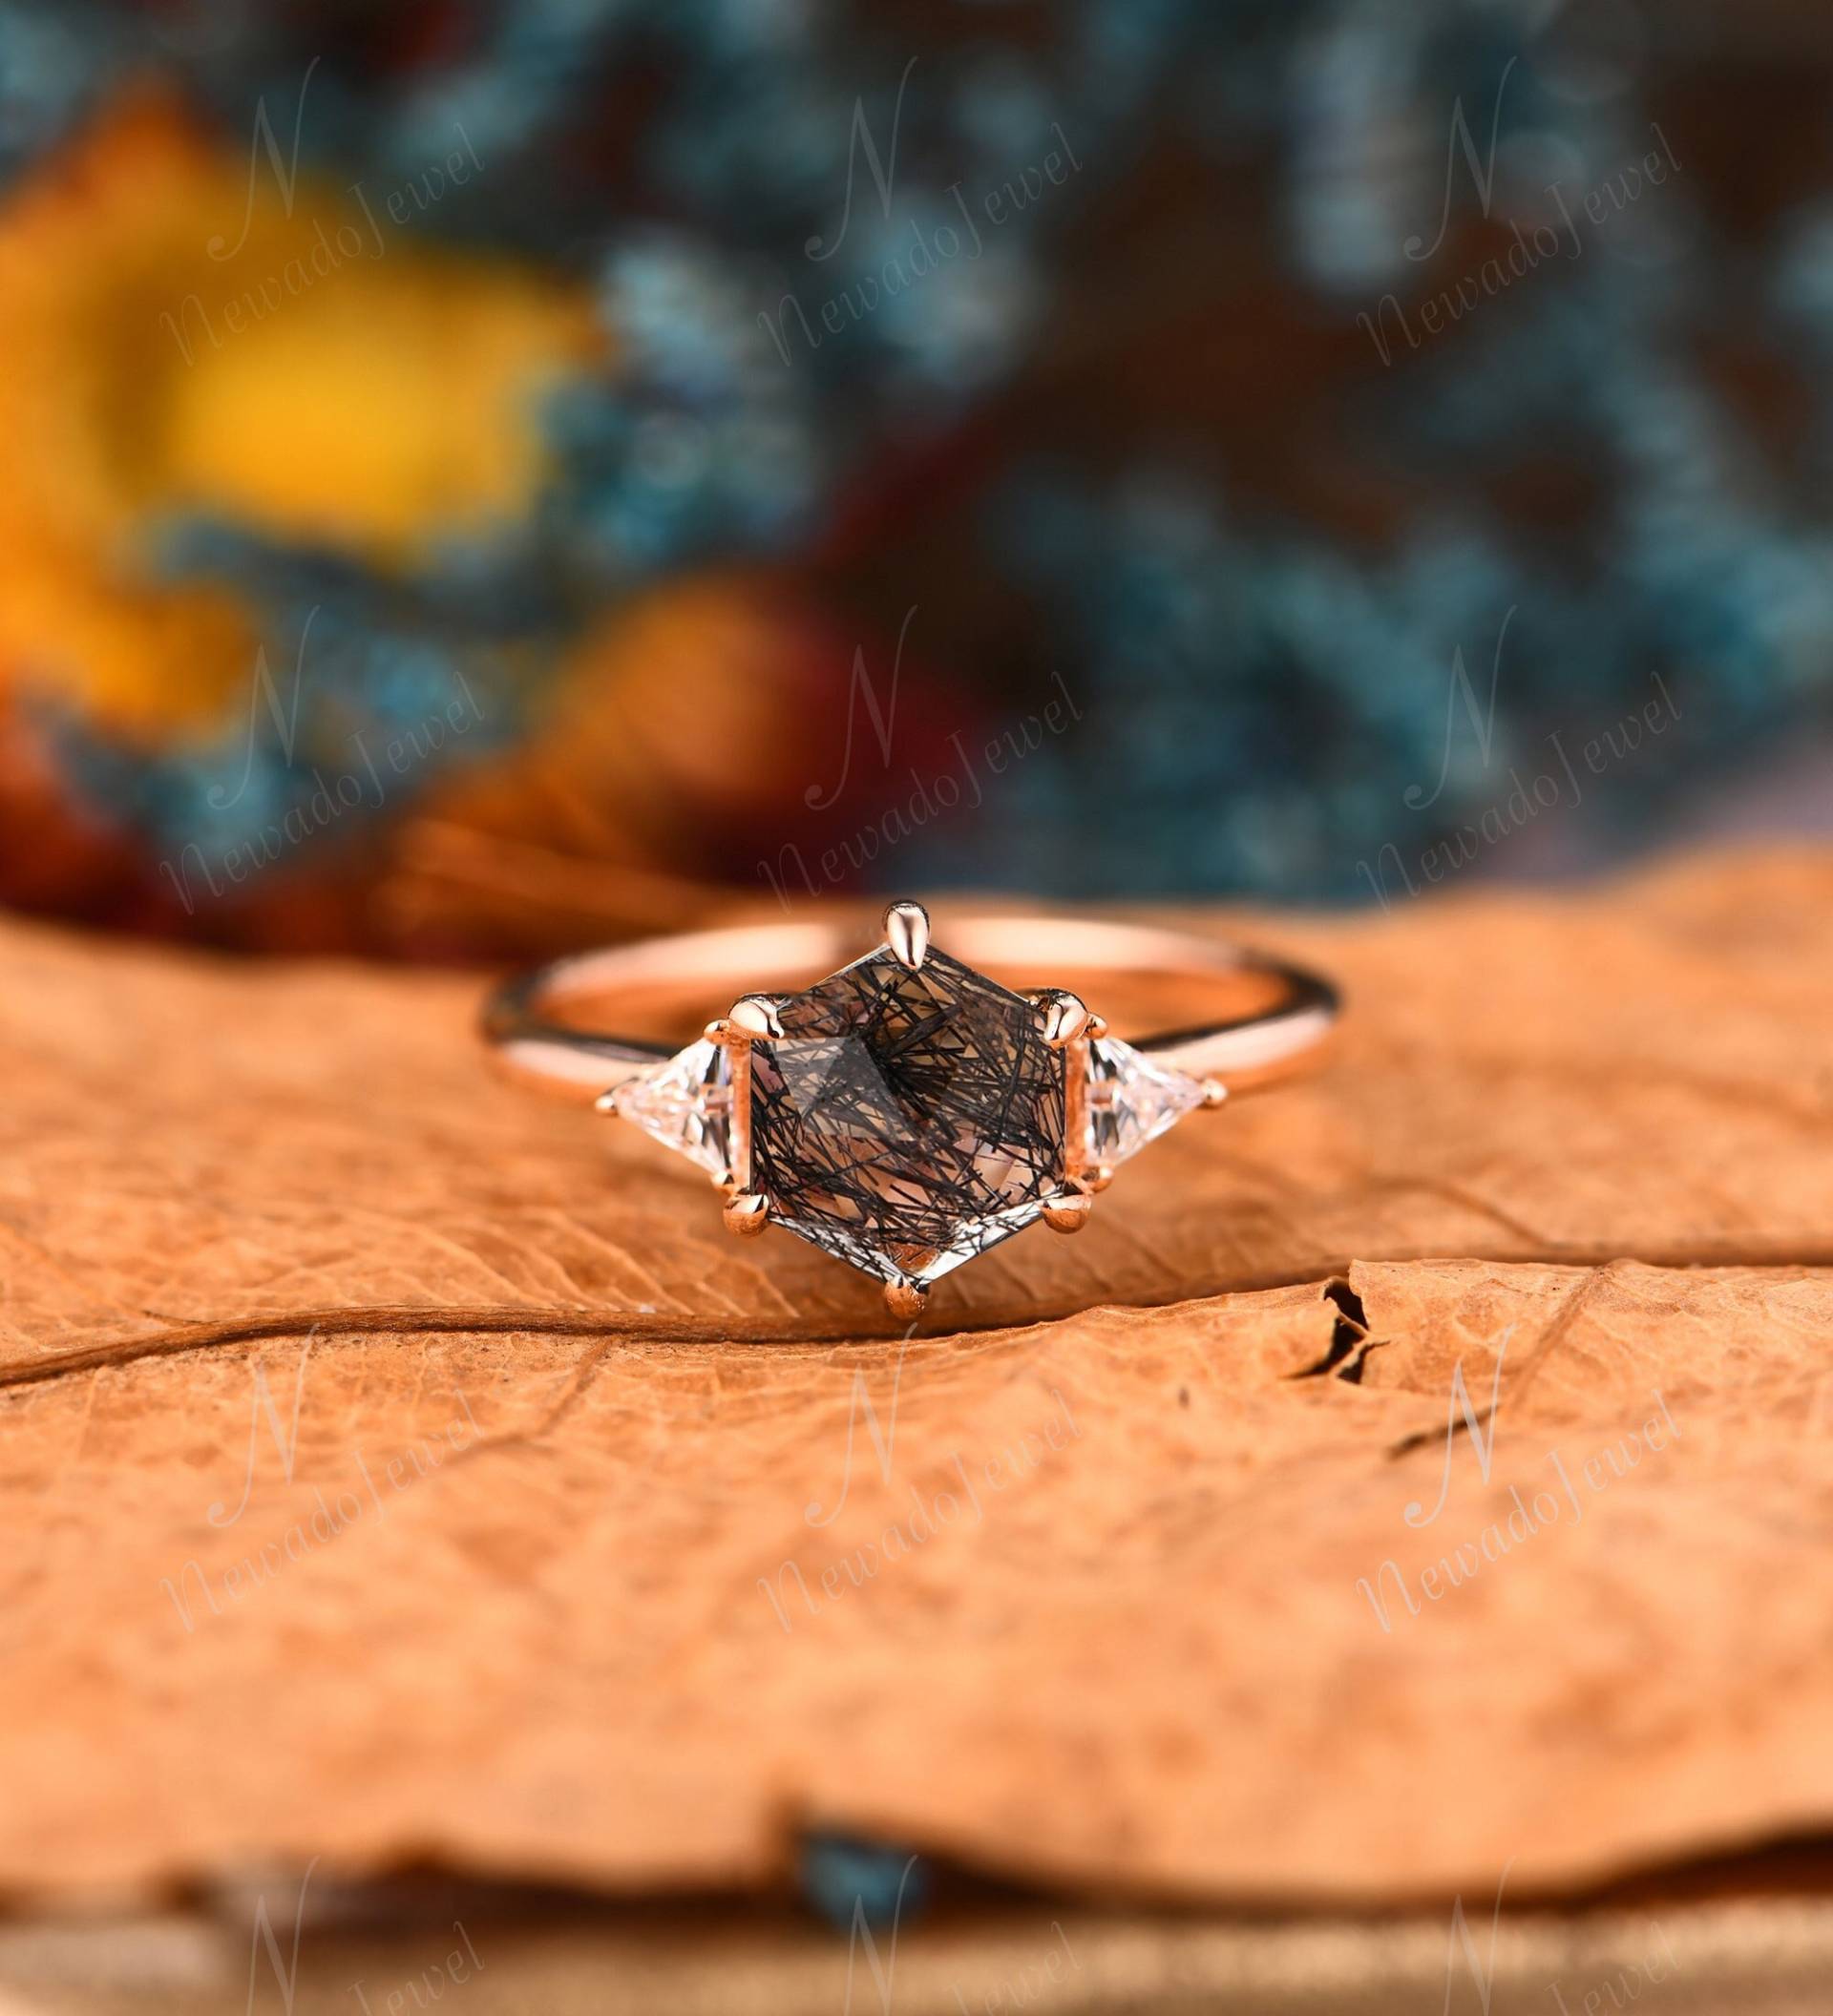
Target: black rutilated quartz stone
x=906, y=1120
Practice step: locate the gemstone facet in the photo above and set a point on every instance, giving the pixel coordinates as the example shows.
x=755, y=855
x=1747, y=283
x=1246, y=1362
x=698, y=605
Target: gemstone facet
x=907, y=1119
x=1131, y=1101
x=686, y=1105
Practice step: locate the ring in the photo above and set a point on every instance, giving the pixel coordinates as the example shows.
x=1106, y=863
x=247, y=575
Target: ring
x=908, y=1112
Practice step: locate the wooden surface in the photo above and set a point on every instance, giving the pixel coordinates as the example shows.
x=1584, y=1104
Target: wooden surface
x=1747, y=1955
x=553, y=1429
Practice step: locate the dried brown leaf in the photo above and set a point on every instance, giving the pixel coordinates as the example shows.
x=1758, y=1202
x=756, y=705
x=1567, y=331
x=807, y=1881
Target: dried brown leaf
x=527, y=1590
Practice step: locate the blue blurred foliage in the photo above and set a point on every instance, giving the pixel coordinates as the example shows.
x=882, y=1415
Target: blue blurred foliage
x=846, y=1880
x=1273, y=677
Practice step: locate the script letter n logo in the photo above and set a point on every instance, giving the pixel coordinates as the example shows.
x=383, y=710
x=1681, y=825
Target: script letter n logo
x=286, y=1975
x=1416, y=1513
x=884, y=719
x=1483, y=1975
x=285, y=725
x=1485, y=177
x=881, y=1440
x=881, y=1971
x=286, y=1442
x=883, y=173
x=1483, y=723
x=286, y=174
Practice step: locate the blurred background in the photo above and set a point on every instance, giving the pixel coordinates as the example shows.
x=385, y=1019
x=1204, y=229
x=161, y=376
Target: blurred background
x=480, y=477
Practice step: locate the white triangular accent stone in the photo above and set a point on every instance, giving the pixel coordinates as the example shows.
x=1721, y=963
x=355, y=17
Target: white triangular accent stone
x=686, y=1105
x=1131, y=1101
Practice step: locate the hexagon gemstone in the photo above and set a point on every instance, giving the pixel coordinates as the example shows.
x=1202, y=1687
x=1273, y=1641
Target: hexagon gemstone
x=906, y=1120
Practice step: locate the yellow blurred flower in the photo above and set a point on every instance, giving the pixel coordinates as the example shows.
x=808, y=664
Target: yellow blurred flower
x=181, y=335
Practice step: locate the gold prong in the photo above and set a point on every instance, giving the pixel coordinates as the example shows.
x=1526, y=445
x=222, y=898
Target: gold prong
x=746, y=1214
x=1061, y=1017
x=738, y=1059
x=717, y=1031
x=755, y=1014
x=1097, y=1026
x=1215, y=1092
x=1068, y=1213
x=1098, y=1178
x=907, y=932
x=906, y=1301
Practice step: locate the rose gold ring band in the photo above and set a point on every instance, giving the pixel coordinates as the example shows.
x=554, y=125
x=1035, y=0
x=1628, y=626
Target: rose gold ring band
x=1268, y=1019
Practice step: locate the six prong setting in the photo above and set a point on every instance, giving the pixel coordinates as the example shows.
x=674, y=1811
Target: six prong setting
x=907, y=1113
x=753, y=1015
x=906, y=1301
x=1061, y=1017
x=907, y=934
x=746, y=1214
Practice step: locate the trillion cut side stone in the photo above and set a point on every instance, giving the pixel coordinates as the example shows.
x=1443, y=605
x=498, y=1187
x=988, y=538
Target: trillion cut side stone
x=686, y=1105
x=906, y=1121
x=1131, y=1101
